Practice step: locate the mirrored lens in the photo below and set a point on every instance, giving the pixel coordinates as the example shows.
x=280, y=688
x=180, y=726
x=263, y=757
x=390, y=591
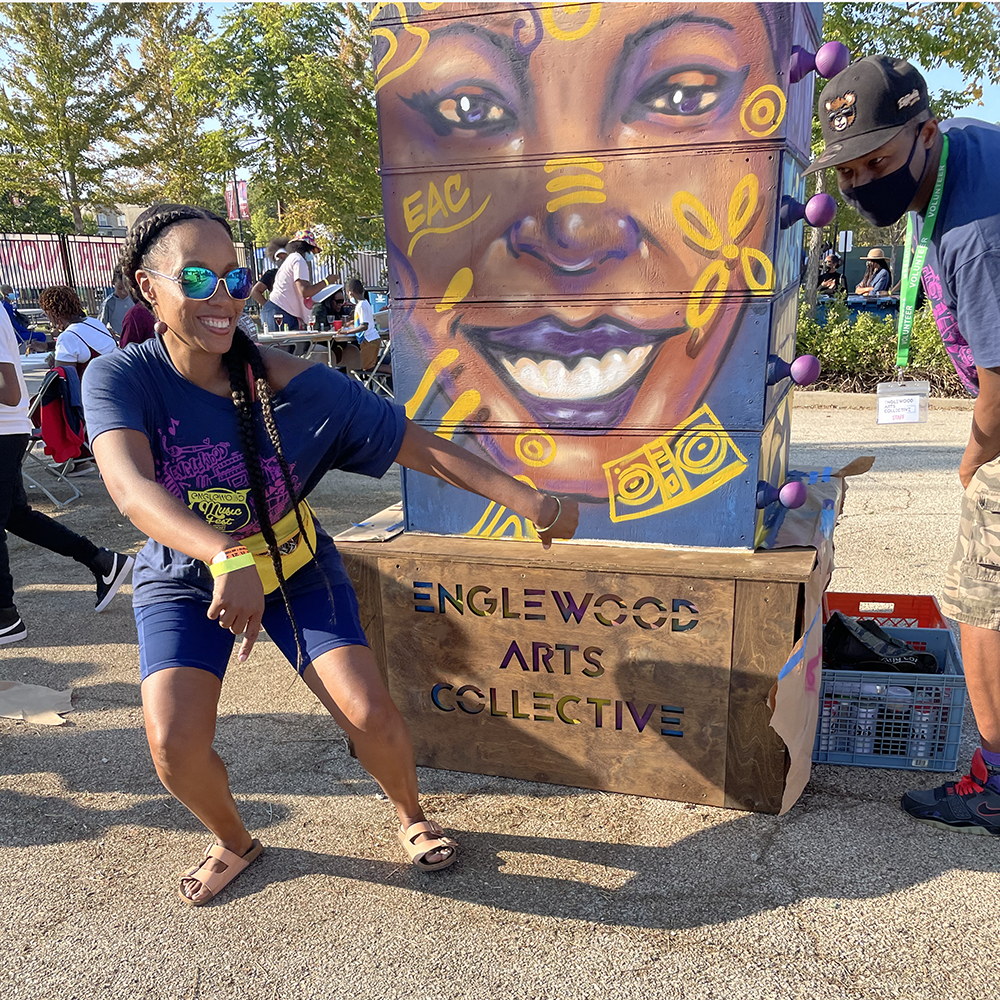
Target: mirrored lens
x=238, y=282
x=197, y=282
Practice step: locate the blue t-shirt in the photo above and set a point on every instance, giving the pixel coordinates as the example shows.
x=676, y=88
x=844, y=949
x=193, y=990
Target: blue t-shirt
x=325, y=421
x=962, y=272
x=880, y=281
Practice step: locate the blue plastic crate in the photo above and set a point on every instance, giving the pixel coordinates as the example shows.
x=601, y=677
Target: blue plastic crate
x=908, y=721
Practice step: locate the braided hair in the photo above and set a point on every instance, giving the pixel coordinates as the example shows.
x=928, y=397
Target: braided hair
x=242, y=361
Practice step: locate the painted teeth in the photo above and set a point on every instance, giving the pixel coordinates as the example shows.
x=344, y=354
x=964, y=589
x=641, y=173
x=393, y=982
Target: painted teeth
x=589, y=379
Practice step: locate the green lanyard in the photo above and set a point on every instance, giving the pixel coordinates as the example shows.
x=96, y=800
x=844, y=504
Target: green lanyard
x=913, y=269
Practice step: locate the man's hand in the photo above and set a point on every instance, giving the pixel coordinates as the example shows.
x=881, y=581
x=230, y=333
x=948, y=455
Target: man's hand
x=966, y=471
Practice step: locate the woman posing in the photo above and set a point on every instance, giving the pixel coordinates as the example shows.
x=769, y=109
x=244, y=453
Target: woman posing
x=206, y=442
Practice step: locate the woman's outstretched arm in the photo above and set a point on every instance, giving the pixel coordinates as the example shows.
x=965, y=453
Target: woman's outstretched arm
x=426, y=452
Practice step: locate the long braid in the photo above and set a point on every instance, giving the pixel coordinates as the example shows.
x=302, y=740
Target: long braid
x=253, y=358
x=239, y=384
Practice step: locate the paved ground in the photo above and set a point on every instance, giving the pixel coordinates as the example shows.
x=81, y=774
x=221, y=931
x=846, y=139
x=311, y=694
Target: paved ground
x=561, y=893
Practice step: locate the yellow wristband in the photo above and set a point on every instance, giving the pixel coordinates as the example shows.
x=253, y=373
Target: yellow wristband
x=237, y=557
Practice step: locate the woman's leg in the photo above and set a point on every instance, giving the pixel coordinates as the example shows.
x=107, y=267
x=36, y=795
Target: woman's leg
x=348, y=683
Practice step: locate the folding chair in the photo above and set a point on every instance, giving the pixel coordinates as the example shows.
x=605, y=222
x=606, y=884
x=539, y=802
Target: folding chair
x=378, y=378
x=37, y=460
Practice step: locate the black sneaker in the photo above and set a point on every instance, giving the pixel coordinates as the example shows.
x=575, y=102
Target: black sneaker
x=112, y=570
x=11, y=626
x=965, y=806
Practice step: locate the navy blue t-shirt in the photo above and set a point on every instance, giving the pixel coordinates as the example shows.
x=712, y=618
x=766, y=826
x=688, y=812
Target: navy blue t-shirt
x=325, y=421
x=962, y=272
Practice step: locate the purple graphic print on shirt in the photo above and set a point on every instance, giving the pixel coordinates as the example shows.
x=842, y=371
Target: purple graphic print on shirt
x=211, y=478
x=955, y=344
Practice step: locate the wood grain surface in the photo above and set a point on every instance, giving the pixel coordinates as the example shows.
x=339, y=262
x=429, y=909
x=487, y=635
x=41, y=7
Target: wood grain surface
x=513, y=686
x=756, y=760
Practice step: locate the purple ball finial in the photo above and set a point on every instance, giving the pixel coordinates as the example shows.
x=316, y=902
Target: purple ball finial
x=832, y=58
x=792, y=494
x=804, y=370
x=821, y=209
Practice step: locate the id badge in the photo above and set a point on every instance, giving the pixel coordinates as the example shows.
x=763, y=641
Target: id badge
x=902, y=402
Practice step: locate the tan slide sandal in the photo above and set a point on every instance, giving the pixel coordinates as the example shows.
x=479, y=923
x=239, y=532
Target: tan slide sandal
x=417, y=852
x=214, y=881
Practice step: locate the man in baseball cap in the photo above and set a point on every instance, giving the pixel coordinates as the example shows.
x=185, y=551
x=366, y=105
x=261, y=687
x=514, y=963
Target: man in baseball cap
x=889, y=151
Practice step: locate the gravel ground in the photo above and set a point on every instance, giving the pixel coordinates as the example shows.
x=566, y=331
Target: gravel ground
x=560, y=893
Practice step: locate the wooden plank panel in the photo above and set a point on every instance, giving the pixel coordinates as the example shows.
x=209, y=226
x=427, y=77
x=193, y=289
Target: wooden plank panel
x=708, y=564
x=595, y=678
x=765, y=617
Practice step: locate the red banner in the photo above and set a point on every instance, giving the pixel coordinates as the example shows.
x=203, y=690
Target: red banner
x=240, y=194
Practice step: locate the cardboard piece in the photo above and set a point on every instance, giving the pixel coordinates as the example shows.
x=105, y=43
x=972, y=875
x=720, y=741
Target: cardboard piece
x=795, y=697
x=379, y=527
x=34, y=703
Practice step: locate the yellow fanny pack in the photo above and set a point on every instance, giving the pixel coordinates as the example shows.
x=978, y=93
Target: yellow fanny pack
x=295, y=553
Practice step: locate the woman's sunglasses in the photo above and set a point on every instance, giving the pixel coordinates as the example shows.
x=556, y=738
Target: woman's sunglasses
x=201, y=283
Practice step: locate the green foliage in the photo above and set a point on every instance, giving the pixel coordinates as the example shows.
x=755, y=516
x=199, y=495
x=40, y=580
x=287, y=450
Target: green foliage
x=68, y=93
x=856, y=354
x=292, y=87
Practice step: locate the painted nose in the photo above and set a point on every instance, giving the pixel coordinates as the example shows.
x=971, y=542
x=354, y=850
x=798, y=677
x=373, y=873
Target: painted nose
x=576, y=239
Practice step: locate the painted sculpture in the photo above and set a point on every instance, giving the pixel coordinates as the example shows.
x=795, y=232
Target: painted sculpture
x=594, y=218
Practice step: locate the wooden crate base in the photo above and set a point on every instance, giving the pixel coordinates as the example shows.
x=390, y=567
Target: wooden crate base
x=632, y=670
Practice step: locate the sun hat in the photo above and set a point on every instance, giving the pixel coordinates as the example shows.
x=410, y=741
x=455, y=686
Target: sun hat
x=866, y=105
x=875, y=254
x=305, y=236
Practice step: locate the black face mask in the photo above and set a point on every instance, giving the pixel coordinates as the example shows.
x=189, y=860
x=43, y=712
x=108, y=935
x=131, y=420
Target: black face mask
x=885, y=200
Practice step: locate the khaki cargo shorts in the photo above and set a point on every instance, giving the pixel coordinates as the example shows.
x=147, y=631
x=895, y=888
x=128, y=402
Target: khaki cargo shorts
x=972, y=584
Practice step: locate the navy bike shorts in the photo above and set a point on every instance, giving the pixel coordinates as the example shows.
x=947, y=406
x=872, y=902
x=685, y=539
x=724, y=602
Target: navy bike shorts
x=179, y=633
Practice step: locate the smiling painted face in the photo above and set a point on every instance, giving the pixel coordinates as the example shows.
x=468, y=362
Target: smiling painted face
x=573, y=219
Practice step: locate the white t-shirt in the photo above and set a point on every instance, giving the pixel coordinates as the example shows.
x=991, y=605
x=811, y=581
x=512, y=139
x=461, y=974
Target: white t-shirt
x=75, y=342
x=284, y=294
x=13, y=419
x=363, y=313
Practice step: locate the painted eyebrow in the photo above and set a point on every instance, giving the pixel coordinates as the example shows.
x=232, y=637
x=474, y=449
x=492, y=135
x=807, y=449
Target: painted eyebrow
x=506, y=45
x=632, y=42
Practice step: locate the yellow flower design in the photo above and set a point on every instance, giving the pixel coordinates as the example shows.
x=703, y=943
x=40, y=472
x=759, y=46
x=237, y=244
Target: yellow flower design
x=705, y=234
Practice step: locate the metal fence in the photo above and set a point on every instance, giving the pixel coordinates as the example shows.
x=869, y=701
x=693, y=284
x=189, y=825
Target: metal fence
x=30, y=262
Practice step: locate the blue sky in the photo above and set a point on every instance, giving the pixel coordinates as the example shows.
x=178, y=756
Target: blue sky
x=952, y=79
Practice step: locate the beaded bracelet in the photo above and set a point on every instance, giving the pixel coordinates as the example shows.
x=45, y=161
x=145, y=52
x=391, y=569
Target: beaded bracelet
x=231, y=559
x=542, y=530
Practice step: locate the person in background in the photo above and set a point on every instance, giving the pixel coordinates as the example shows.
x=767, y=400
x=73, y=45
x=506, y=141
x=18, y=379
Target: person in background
x=877, y=278
x=17, y=321
x=890, y=163
x=137, y=326
x=116, y=306
x=363, y=356
x=79, y=338
x=276, y=252
x=831, y=279
x=333, y=308
x=110, y=569
x=292, y=284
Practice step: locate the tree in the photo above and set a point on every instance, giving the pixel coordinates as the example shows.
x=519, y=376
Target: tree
x=963, y=35
x=68, y=93
x=292, y=86
x=168, y=159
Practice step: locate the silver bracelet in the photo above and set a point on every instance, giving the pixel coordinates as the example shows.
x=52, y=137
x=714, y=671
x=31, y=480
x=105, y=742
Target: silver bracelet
x=540, y=529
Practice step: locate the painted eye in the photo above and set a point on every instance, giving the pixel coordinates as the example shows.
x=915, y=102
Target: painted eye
x=686, y=92
x=472, y=109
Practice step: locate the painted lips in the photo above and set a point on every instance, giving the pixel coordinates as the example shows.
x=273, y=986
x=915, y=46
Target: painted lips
x=565, y=374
